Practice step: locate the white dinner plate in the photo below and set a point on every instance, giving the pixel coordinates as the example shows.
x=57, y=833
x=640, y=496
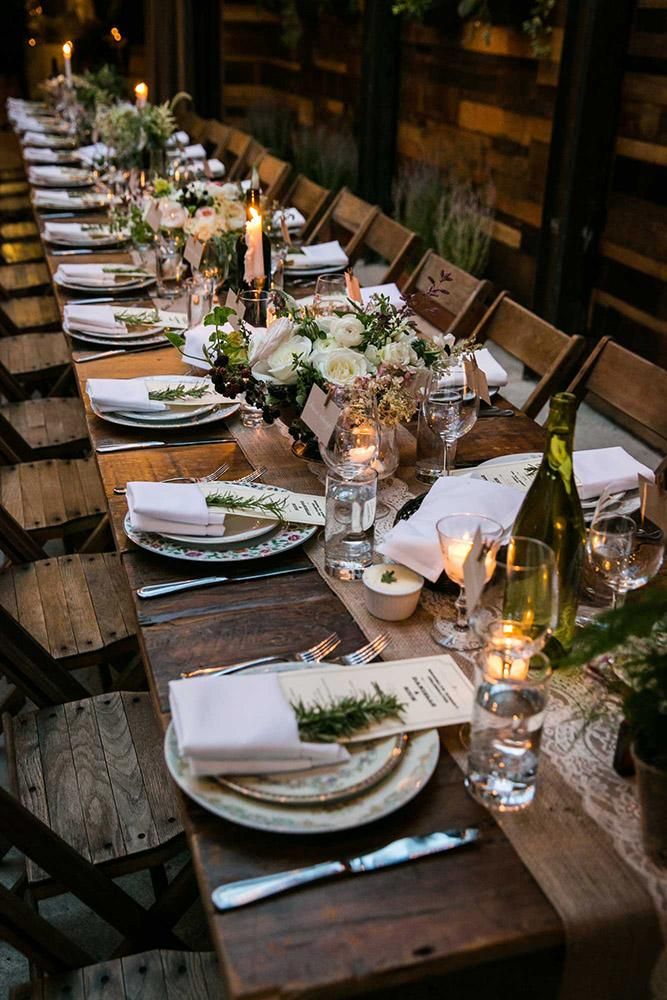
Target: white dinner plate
x=212, y=417
x=315, y=271
x=125, y=286
x=105, y=240
x=100, y=339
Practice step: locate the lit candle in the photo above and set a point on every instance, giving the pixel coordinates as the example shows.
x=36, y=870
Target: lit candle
x=454, y=554
x=505, y=666
x=141, y=94
x=361, y=456
x=67, y=53
x=254, y=255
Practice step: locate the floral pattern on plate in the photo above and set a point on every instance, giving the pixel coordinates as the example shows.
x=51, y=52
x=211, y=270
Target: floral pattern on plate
x=417, y=766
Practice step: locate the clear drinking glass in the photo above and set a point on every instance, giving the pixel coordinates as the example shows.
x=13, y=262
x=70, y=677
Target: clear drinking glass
x=456, y=533
x=506, y=732
x=348, y=531
x=330, y=294
x=255, y=302
x=518, y=609
x=355, y=441
x=169, y=267
x=450, y=411
x=199, y=300
x=623, y=553
x=214, y=264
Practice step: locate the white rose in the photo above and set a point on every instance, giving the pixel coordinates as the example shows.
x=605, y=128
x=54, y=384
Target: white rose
x=279, y=366
x=372, y=355
x=172, y=215
x=263, y=343
x=347, y=330
x=397, y=353
x=233, y=215
x=325, y=324
x=229, y=191
x=341, y=365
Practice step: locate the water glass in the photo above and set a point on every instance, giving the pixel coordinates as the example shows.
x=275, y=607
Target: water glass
x=254, y=302
x=199, y=300
x=169, y=267
x=450, y=411
x=350, y=516
x=355, y=441
x=331, y=295
x=251, y=416
x=506, y=732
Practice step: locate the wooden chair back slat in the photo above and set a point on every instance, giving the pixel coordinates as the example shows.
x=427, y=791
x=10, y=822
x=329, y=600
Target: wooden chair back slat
x=629, y=387
x=216, y=138
x=538, y=345
x=14, y=442
x=273, y=174
x=235, y=153
x=459, y=310
x=347, y=219
x=391, y=241
x=253, y=155
x=310, y=198
x=18, y=544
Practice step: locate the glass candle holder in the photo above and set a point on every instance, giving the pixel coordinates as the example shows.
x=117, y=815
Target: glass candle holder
x=350, y=516
x=199, y=300
x=169, y=267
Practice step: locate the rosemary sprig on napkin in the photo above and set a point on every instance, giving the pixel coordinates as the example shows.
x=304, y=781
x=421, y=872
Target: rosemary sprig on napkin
x=179, y=392
x=327, y=722
x=264, y=504
x=149, y=317
x=127, y=271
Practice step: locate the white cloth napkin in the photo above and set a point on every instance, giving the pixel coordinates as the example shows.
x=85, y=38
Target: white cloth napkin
x=611, y=468
x=390, y=291
x=107, y=394
x=242, y=725
x=89, y=154
x=93, y=319
x=194, y=152
x=319, y=255
x=195, y=339
x=33, y=154
x=49, y=126
x=495, y=373
x=175, y=508
x=68, y=232
x=63, y=199
x=293, y=218
x=43, y=139
x=216, y=167
x=56, y=174
x=94, y=274
x=414, y=542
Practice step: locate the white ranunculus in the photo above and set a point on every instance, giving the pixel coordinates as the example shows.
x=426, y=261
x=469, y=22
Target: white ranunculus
x=398, y=353
x=372, y=355
x=229, y=191
x=280, y=365
x=341, y=365
x=264, y=343
x=172, y=215
x=348, y=331
x=325, y=323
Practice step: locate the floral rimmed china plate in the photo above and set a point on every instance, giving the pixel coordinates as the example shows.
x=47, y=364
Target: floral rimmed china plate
x=119, y=286
x=368, y=765
x=99, y=338
x=125, y=420
x=281, y=539
x=400, y=786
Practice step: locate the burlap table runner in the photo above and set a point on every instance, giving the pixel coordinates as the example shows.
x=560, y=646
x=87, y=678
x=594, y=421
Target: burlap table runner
x=611, y=929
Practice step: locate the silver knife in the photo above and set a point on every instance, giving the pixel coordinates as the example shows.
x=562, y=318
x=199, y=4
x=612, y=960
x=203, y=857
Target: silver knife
x=162, y=589
x=85, y=251
x=235, y=894
x=134, y=299
x=120, y=350
x=104, y=449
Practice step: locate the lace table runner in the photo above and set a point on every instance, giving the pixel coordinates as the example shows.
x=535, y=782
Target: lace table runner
x=580, y=839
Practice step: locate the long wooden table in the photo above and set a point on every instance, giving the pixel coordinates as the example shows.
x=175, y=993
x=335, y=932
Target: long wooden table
x=446, y=925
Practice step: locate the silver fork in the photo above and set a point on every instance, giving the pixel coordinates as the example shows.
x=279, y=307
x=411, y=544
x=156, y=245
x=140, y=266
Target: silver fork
x=365, y=653
x=211, y=478
x=311, y=655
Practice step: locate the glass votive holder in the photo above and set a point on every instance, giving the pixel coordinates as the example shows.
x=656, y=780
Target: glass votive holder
x=251, y=416
x=506, y=730
x=199, y=300
x=169, y=267
x=254, y=302
x=348, y=530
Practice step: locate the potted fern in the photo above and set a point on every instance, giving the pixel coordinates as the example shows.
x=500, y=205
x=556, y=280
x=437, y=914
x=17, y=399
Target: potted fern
x=630, y=643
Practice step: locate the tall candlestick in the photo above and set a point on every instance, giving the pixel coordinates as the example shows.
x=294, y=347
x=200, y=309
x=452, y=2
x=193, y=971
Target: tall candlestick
x=67, y=53
x=141, y=94
x=254, y=257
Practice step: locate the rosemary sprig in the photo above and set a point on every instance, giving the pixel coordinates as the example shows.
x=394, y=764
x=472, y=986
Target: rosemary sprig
x=264, y=504
x=179, y=392
x=146, y=318
x=327, y=722
x=133, y=272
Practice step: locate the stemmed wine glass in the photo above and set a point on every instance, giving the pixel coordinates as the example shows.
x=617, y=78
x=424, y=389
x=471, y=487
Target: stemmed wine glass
x=355, y=440
x=450, y=411
x=330, y=294
x=625, y=552
x=456, y=534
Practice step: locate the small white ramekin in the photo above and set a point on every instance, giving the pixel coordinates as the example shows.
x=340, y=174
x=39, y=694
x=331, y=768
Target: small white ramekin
x=391, y=607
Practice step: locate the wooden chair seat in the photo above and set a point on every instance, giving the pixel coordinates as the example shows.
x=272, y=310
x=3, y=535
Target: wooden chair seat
x=10, y=188
x=52, y=427
x=14, y=206
x=18, y=230
x=49, y=497
x=19, y=279
x=20, y=251
x=154, y=975
x=93, y=771
x=29, y=355
x=75, y=606
x=39, y=312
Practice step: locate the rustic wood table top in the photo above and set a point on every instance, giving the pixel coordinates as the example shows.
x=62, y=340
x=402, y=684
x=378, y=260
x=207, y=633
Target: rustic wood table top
x=444, y=924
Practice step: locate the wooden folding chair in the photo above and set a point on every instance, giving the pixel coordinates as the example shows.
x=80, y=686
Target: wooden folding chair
x=18, y=230
x=38, y=312
x=234, y=156
x=23, y=279
x=189, y=121
x=391, y=241
x=310, y=199
x=347, y=219
x=626, y=387
x=54, y=427
x=273, y=174
x=541, y=347
x=32, y=361
x=20, y=250
x=460, y=310
x=215, y=138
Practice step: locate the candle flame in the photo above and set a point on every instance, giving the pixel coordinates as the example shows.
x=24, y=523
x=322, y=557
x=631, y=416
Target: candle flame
x=67, y=50
x=141, y=91
x=254, y=214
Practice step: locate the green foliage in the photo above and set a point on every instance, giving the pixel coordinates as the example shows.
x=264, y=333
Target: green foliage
x=272, y=124
x=98, y=87
x=176, y=392
x=418, y=189
x=327, y=722
x=327, y=155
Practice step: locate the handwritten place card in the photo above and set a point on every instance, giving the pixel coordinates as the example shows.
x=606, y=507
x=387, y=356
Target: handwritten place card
x=476, y=379
x=517, y=473
x=173, y=320
x=232, y=302
x=353, y=287
x=433, y=689
x=474, y=572
x=320, y=414
x=193, y=252
x=153, y=215
x=285, y=230
x=299, y=508
x=653, y=501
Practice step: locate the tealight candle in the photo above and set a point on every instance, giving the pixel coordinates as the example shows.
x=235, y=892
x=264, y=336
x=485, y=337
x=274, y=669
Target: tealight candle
x=454, y=554
x=67, y=53
x=141, y=94
x=254, y=255
x=503, y=664
x=361, y=455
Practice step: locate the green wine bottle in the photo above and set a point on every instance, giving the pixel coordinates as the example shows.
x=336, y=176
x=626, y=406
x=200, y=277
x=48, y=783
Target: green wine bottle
x=551, y=512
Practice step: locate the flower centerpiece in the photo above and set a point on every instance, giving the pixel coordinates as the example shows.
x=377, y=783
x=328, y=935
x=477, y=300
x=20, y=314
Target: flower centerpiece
x=137, y=135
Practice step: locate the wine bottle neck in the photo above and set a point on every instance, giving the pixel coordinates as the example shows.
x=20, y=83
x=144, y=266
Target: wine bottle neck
x=560, y=430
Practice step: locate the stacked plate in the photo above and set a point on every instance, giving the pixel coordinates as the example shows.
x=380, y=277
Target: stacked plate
x=118, y=326
x=380, y=777
x=205, y=408
x=320, y=258
x=83, y=235
x=58, y=176
x=66, y=200
x=104, y=278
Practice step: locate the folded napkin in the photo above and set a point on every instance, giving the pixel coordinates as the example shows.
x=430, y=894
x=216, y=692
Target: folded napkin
x=71, y=232
x=179, y=138
x=242, y=725
x=35, y=155
x=95, y=275
x=495, y=373
x=56, y=174
x=293, y=218
x=110, y=394
x=319, y=255
x=610, y=468
x=414, y=542
x=175, y=508
x=33, y=138
x=65, y=199
x=194, y=152
x=93, y=319
x=89, y=154
x=390, y=291
x=195, y=339
x=216, y=168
